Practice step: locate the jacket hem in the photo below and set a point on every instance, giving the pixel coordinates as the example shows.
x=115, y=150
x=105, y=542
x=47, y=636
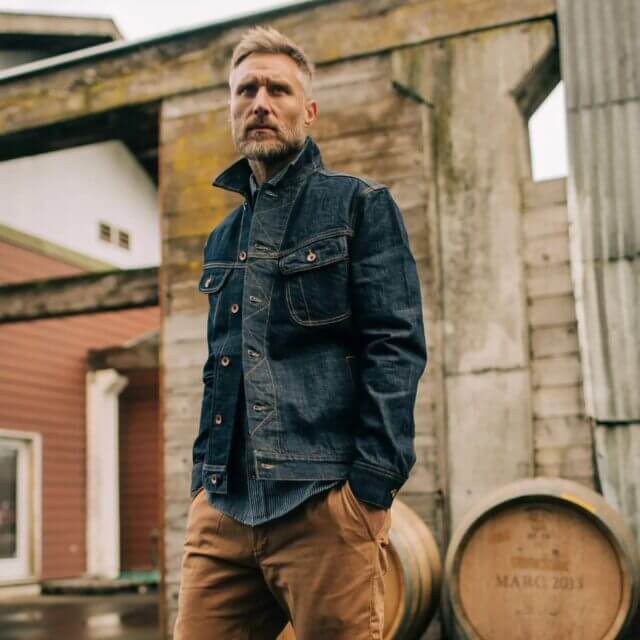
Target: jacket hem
x=377, y=488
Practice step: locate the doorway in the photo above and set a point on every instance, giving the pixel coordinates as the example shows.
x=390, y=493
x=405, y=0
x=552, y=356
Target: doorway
x=17, y=513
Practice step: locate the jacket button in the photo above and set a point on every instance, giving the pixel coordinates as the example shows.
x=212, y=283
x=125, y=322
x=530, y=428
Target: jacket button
x=235, y=308
x=217, y=419
x=311, y=256
x=214, y=480
x=242, y=255
x=224, y=361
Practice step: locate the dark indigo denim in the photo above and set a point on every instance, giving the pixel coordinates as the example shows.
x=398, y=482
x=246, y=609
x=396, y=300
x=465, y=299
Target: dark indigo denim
x=330, y=338
x=252, y=501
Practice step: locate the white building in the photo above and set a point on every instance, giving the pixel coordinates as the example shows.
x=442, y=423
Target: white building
x=96, y=199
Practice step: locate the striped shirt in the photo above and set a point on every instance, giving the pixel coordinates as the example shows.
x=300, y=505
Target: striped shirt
x=251, y=501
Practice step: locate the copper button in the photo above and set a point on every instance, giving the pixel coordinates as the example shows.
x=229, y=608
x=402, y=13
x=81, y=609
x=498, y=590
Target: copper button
x=311, y=256
x=218, y=419
x=214, y=480
x=224, y=361
x=242, y=256
x=235, y=308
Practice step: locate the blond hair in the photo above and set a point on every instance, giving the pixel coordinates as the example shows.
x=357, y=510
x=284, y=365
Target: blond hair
x=270, y=40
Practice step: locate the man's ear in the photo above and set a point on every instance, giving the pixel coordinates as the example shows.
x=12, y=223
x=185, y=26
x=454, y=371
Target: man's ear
x=310, y=112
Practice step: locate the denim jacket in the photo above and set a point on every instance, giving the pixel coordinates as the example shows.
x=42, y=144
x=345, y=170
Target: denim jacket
x=323, y=315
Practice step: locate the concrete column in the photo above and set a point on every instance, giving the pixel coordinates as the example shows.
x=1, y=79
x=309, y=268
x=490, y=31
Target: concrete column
x=103, y=485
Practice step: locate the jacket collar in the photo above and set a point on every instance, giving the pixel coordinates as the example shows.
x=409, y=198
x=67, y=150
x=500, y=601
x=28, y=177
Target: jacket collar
x=236, y=176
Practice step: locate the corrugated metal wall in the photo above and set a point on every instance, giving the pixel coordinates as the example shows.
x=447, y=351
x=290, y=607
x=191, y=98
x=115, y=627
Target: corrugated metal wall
x=600, y=51
x=42, y=388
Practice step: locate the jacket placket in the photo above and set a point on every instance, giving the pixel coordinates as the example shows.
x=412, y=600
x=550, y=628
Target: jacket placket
x=270, y=217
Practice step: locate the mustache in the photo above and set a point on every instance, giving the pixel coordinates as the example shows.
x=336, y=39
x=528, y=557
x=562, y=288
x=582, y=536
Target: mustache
x=257, y=124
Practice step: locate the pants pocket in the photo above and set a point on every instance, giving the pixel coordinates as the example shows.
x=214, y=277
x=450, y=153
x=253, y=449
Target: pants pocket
x=373, y=518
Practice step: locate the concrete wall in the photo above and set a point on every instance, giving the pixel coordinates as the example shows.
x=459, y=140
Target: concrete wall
x=62, y=196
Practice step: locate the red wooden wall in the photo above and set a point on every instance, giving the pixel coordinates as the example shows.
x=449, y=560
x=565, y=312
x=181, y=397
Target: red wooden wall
x=139, y=470
x=43, y=365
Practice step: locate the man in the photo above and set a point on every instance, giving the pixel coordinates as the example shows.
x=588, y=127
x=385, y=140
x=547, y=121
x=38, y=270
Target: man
x=316, y=345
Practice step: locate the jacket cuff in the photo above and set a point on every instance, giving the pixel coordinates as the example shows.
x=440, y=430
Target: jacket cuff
x=373, y=486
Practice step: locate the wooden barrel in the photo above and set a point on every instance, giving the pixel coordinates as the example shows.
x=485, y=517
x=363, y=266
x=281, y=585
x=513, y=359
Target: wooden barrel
x=413, y=579
x=541, y=559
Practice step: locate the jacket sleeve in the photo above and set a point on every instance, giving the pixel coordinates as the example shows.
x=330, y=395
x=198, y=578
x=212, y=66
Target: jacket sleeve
x=387, y=314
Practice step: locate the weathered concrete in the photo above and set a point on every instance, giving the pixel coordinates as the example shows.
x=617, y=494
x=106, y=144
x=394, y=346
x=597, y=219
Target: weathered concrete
x=73, y=295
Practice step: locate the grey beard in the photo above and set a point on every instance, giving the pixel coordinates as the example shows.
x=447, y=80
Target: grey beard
x=270, y=154
x=273, y=153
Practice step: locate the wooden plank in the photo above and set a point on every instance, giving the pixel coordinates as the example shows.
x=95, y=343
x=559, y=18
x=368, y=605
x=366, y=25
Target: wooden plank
x=556, y=372
x=545, y=221
x=191, y=206
x=166, y=66
x=554, y=341
x=73, y=295
x=552, y=311
x=544, y=193
x=547, y=250
x=550, y=402
x=549, y=280
x=562, y=431
x=574, y=463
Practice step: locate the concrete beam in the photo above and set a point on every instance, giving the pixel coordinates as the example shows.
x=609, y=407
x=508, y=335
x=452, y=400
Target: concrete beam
x=111, y=76
x=74, y=295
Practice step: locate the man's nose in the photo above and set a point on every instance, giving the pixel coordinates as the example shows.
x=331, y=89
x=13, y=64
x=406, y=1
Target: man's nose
x=261, y=106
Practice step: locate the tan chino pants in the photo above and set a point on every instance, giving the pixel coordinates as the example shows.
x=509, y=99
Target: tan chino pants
x=320, y=566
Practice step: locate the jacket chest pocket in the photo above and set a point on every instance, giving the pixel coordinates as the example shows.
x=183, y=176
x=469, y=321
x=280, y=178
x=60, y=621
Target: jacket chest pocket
x=213, y=278
x=316, y=279
x=212, y=282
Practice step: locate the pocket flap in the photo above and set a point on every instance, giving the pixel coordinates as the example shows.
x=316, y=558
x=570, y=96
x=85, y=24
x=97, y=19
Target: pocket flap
x=314, y=255
x=213, y=278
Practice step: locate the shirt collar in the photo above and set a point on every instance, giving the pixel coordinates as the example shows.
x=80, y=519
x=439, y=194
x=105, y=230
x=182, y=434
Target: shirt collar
x=237, y=177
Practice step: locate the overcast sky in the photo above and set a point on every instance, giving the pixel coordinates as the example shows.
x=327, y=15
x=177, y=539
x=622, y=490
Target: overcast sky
x=144, y=18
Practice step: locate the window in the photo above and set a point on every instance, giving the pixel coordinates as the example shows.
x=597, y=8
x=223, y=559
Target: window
x=123, y=239
x=104, y=231
x=548, y=137
x=20, y=504
x=107, y=233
